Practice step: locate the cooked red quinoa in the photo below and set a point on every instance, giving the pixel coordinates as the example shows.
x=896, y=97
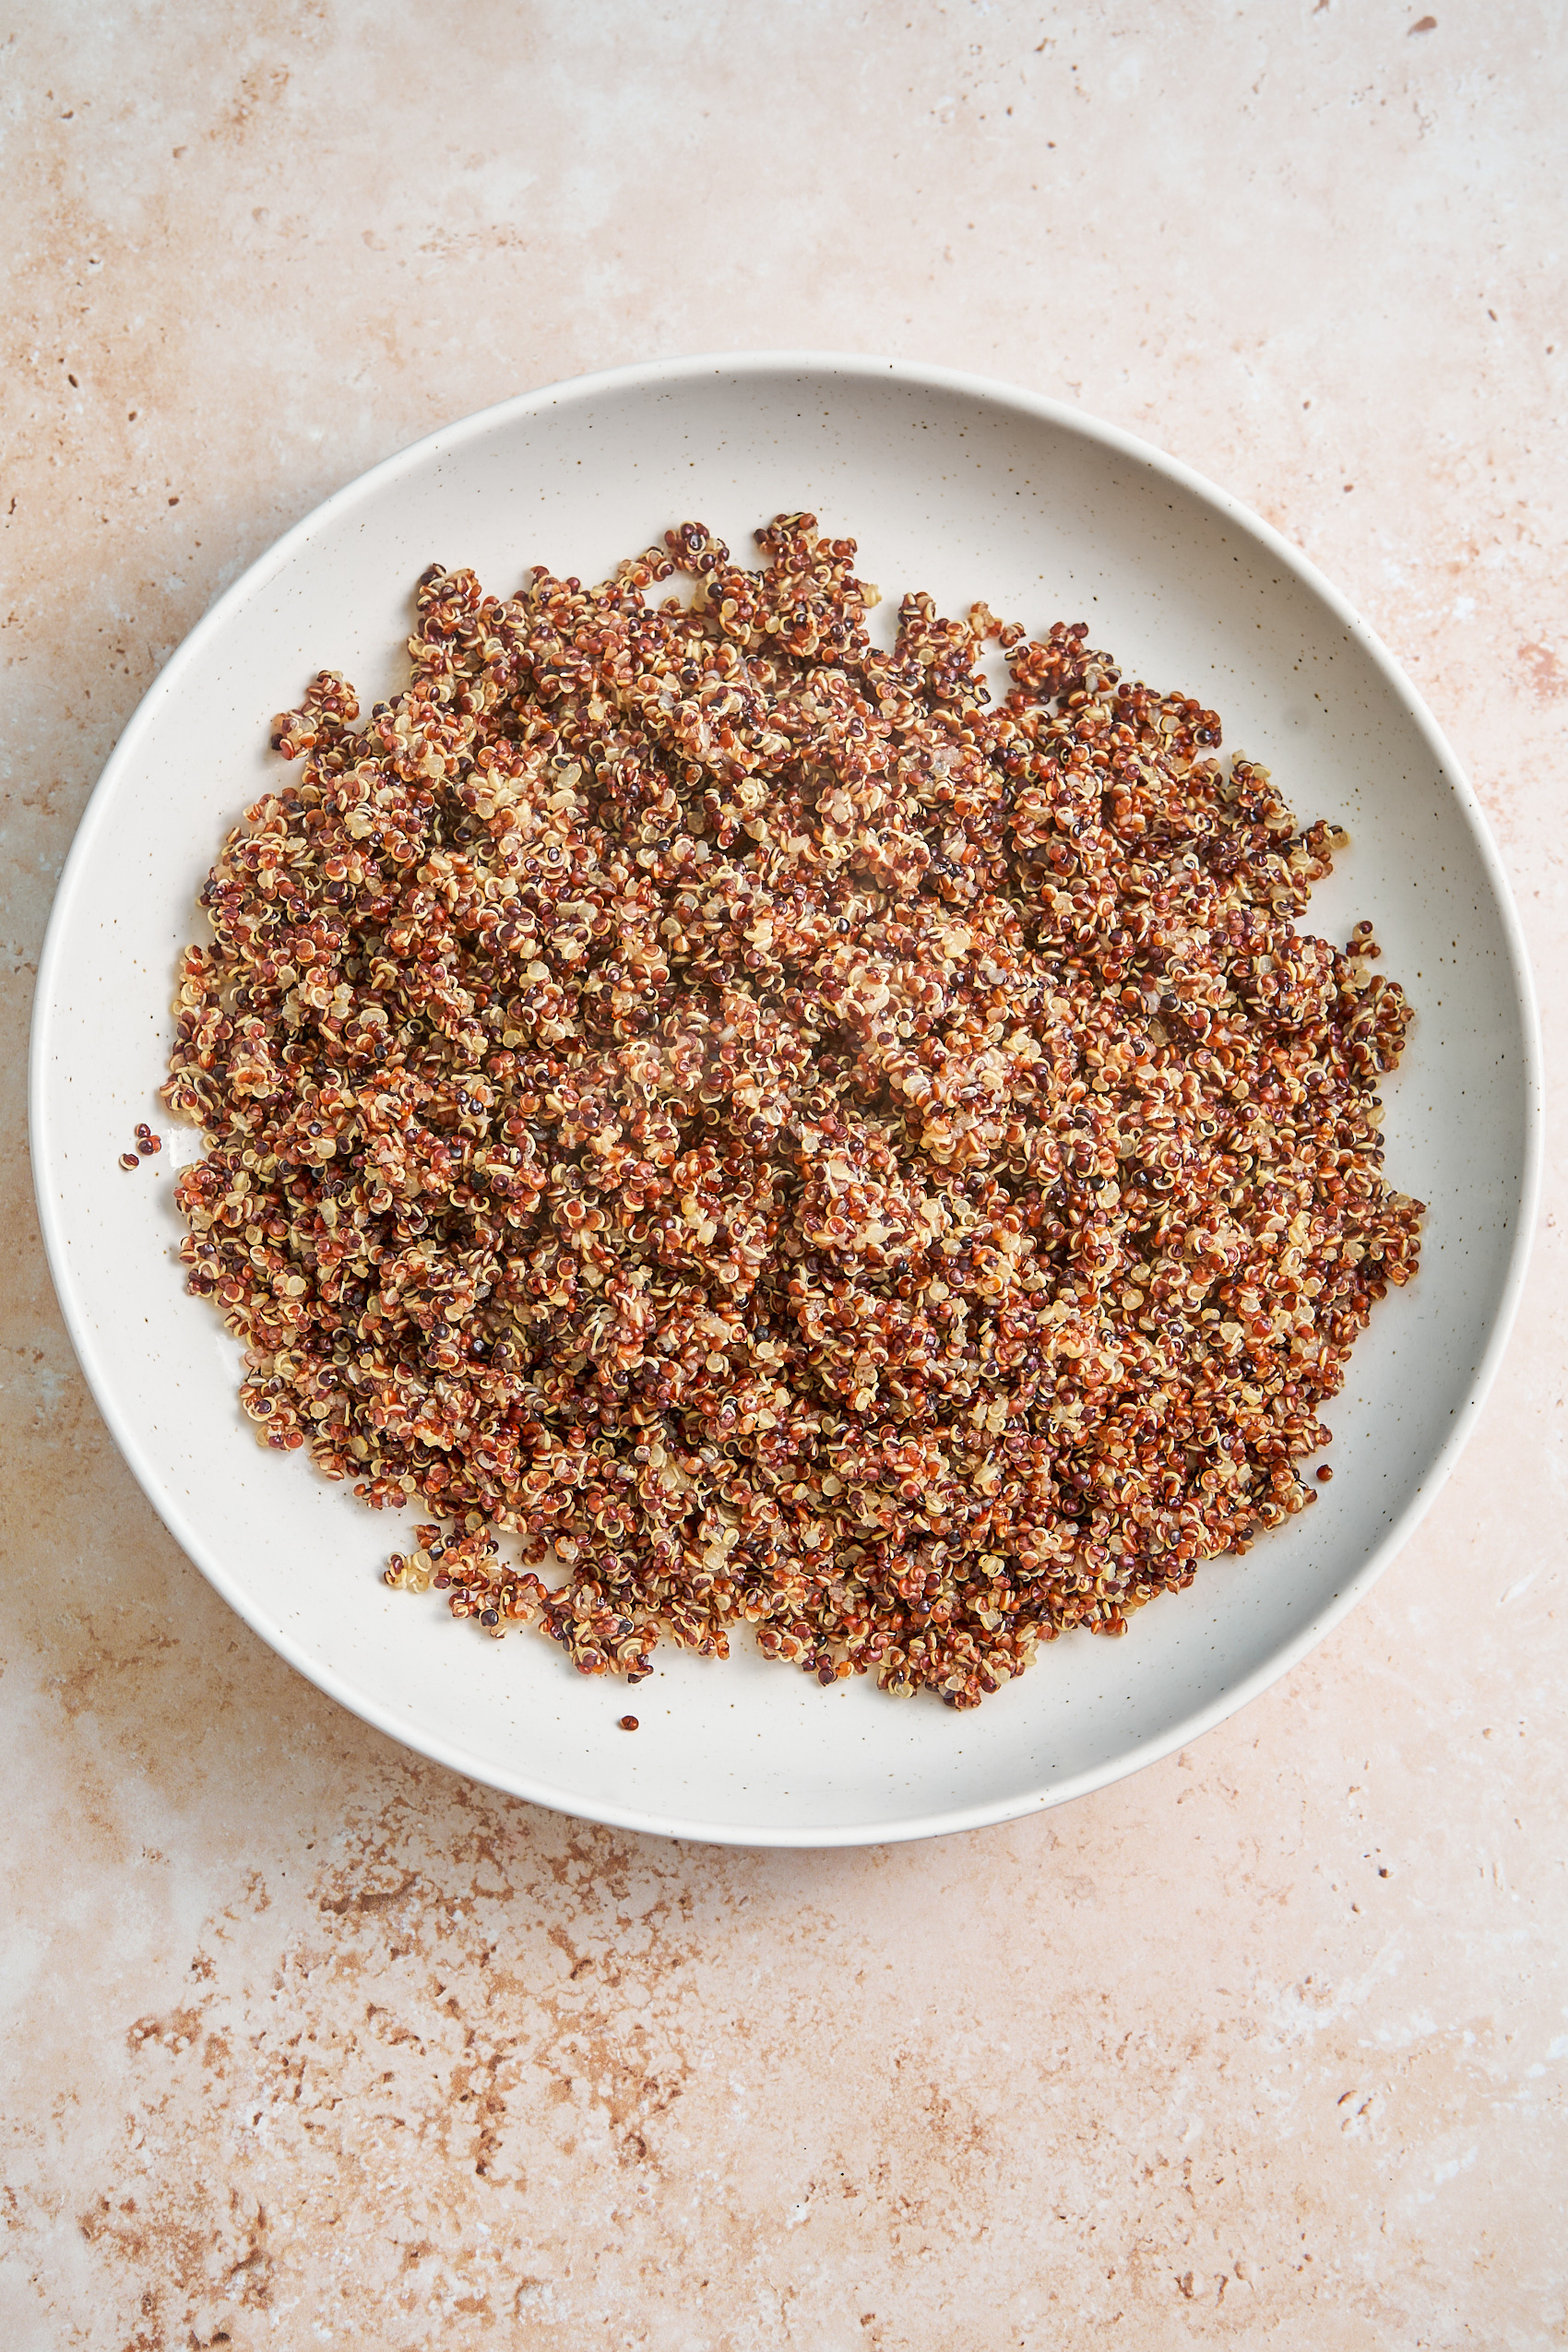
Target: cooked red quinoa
x=732, y=1110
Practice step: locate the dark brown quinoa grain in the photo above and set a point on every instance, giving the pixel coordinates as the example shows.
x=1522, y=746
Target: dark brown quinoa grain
x=774, y=1134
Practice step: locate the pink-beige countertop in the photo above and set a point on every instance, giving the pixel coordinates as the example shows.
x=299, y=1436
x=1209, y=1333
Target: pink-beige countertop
x=307, y=2043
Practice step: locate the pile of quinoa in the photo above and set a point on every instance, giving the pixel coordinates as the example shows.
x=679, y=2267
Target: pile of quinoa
x=733, y=1119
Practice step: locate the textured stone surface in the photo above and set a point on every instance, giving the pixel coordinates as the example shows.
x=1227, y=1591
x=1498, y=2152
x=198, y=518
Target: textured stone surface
x=305, y=2042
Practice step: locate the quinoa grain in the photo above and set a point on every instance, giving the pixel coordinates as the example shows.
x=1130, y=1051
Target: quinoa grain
x=729, y=1110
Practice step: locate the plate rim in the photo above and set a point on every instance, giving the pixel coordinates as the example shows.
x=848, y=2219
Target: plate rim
x=867, y=368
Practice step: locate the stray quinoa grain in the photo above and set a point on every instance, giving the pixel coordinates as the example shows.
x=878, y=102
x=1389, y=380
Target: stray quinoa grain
x=728, y=1112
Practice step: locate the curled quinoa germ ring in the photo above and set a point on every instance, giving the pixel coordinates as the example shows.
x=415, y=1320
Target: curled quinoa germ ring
x=736, y=1113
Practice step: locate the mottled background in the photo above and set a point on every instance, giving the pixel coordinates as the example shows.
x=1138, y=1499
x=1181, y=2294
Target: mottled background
x=308, y=2043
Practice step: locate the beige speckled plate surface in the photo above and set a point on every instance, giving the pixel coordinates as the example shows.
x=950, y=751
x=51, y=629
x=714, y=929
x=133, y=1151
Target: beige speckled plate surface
x=968, y=490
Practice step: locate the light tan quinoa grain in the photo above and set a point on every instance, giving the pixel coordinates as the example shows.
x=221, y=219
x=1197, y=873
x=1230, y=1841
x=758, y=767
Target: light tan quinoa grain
x=733, y=1112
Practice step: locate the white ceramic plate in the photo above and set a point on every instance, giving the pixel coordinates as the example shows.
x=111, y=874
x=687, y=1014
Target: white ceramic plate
x=969, y=490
